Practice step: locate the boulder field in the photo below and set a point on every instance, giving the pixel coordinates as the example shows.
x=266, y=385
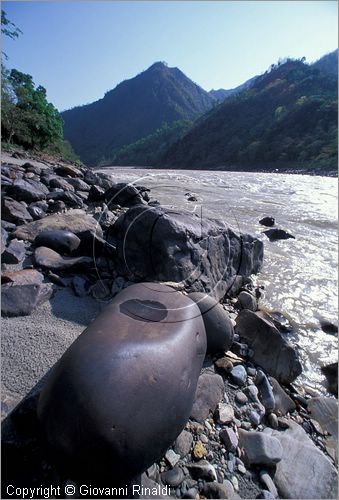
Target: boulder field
x=136, y=398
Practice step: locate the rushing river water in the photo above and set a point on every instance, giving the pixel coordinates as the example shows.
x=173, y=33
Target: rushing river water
x=300, y=275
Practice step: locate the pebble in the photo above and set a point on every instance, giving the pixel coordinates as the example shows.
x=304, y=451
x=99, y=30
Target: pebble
x=241, y=398
x=242, y=469
x=235, y=483
x=202, y=470
x=239, y=375
x=203, y=438
x=229, y=438
x=273, y=421
x=225, y=413
x=191, y=493
x=173, y=477
x=172, y=457
x=268, y=482
x=199, y=451
x=254, y=417
x=266, y=494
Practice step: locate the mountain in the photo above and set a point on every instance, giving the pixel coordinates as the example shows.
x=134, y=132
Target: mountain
x=222, y=94
x=328, y=63
x=287, y=117
x=133, y=110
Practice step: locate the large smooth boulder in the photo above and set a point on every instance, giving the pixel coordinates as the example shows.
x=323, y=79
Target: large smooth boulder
x=304, y=471
x=46, y=258
x=123, y=391
x=271, y=350
x=169, y=245
x=218, y=326
x=76, y=221
x=22, y=277
x=260, y=448
x=59, y=240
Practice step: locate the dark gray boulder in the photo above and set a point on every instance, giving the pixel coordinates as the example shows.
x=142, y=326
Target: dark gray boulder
x=267, y=221
x=271, y=350
x=123, y=194
x=96, y=193
x=21, y=300
x=130, y=379
x=60, y=182
x=278, y=234
x=28, y=190
x=14, y=211
x=60, y=240
x=78, y=184
x=36, y=212
x=218, y=326
x=169, y=245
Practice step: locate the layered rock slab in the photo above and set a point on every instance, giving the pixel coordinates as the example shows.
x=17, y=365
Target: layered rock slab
x=162, y=244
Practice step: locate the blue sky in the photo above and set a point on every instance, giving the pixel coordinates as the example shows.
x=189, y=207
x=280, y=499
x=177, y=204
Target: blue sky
x=79, y=50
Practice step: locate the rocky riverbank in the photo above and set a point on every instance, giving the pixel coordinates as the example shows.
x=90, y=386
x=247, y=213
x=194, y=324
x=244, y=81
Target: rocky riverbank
x=72, y=240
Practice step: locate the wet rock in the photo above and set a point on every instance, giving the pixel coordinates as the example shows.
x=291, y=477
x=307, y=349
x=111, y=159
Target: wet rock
x=22, y=277
x=331, y=373
x=202, y=470
x=14, y=211
x=239, y=375
x=68, y=197
x=267, y=221
x=329, y=328
x=282, y=402
x=229, y=438
x=279, y=320
x=225, y=413
x=92, y=244
x=47, y=258
x=300, y=456
x=123, y=194
x=219, y=328
x=260, y=448
x=271, y=350
x=80, y=286
x=75, y=221
x=55, y=278
x=173, y=477
x=60, y=240
x=14, y=253
x=273, y=421
x=247, y=301
x=278, y=234
x=22, y=300
x=168, y=245
x=183, y=443
x=126, y=352
x=96, y=193
x=209, y=393
x=28, y=190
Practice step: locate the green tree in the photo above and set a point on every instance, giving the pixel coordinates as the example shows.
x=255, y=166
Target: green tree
x=8, y=28
x=28, y=118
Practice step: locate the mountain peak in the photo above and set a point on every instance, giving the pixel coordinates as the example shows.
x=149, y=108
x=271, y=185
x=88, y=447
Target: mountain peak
x=158, y=65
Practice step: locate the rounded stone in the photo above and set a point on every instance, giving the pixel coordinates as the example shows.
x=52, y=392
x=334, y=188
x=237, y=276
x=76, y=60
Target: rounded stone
x=218, y=325
x=60, y=240
x=123, y=391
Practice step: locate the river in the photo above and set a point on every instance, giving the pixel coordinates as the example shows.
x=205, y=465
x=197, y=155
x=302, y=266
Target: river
x=299, y=275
